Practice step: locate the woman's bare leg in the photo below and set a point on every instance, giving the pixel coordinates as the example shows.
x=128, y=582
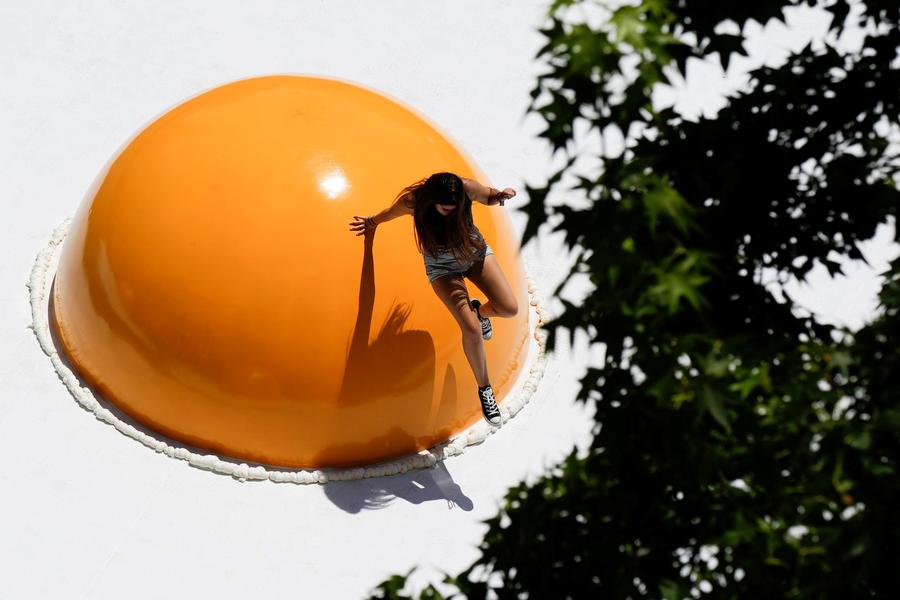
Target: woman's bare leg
x=487, y=275
x=451, y=289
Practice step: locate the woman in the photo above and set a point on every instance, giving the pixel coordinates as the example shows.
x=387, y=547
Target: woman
x=453, y=248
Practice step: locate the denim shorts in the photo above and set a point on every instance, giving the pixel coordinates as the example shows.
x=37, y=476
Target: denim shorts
x=446, y=264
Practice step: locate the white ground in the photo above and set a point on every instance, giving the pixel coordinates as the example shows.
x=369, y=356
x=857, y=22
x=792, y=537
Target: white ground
x=89, y=513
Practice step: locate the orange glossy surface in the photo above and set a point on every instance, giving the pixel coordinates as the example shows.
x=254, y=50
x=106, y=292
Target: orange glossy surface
x=209, y=285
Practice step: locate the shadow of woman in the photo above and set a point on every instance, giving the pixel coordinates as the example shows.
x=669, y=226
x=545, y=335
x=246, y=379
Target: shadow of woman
x=415, y=487
x=396, y=360
x=390, y=380
x=394, y=374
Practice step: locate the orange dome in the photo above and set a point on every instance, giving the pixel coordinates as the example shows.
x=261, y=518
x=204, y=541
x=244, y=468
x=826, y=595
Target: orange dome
x=209, y=286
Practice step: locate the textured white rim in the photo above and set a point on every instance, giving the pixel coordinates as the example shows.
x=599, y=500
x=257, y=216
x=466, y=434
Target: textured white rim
x=424, y=459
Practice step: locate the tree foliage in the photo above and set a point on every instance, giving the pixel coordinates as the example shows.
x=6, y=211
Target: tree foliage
x=743, y=449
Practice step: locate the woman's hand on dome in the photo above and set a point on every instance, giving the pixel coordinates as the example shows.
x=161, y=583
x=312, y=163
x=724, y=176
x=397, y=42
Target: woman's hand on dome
x=362, y=224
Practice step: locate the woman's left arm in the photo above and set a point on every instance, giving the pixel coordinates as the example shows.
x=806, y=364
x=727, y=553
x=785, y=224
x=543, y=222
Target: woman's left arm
x=486, y=194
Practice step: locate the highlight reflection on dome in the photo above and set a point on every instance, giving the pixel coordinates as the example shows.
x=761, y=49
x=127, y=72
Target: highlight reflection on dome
x=334, y=185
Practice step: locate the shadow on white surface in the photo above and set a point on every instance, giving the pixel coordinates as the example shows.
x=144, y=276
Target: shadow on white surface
x=415, y=487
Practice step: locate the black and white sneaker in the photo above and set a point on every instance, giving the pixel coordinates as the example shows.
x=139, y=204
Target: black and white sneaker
x=486, y=329
x=489, y=405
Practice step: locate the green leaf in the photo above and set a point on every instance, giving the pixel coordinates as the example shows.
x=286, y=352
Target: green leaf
x=842, y=360
x=715, y=404
x=628, y=26
x=757, y=377
x=714, y=366
x=662, y=199
x=670, y=590
x=680, y=282
x=860, y=441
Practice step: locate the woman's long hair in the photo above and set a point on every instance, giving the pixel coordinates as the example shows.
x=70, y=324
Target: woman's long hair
x=435, y=232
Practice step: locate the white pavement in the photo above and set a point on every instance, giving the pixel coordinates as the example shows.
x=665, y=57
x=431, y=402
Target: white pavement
x=86, y=512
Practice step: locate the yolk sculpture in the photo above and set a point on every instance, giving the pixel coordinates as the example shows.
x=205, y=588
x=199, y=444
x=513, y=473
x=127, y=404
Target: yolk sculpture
x=209, y=285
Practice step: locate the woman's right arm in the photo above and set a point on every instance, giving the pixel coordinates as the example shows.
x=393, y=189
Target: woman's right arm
x=401, y=206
